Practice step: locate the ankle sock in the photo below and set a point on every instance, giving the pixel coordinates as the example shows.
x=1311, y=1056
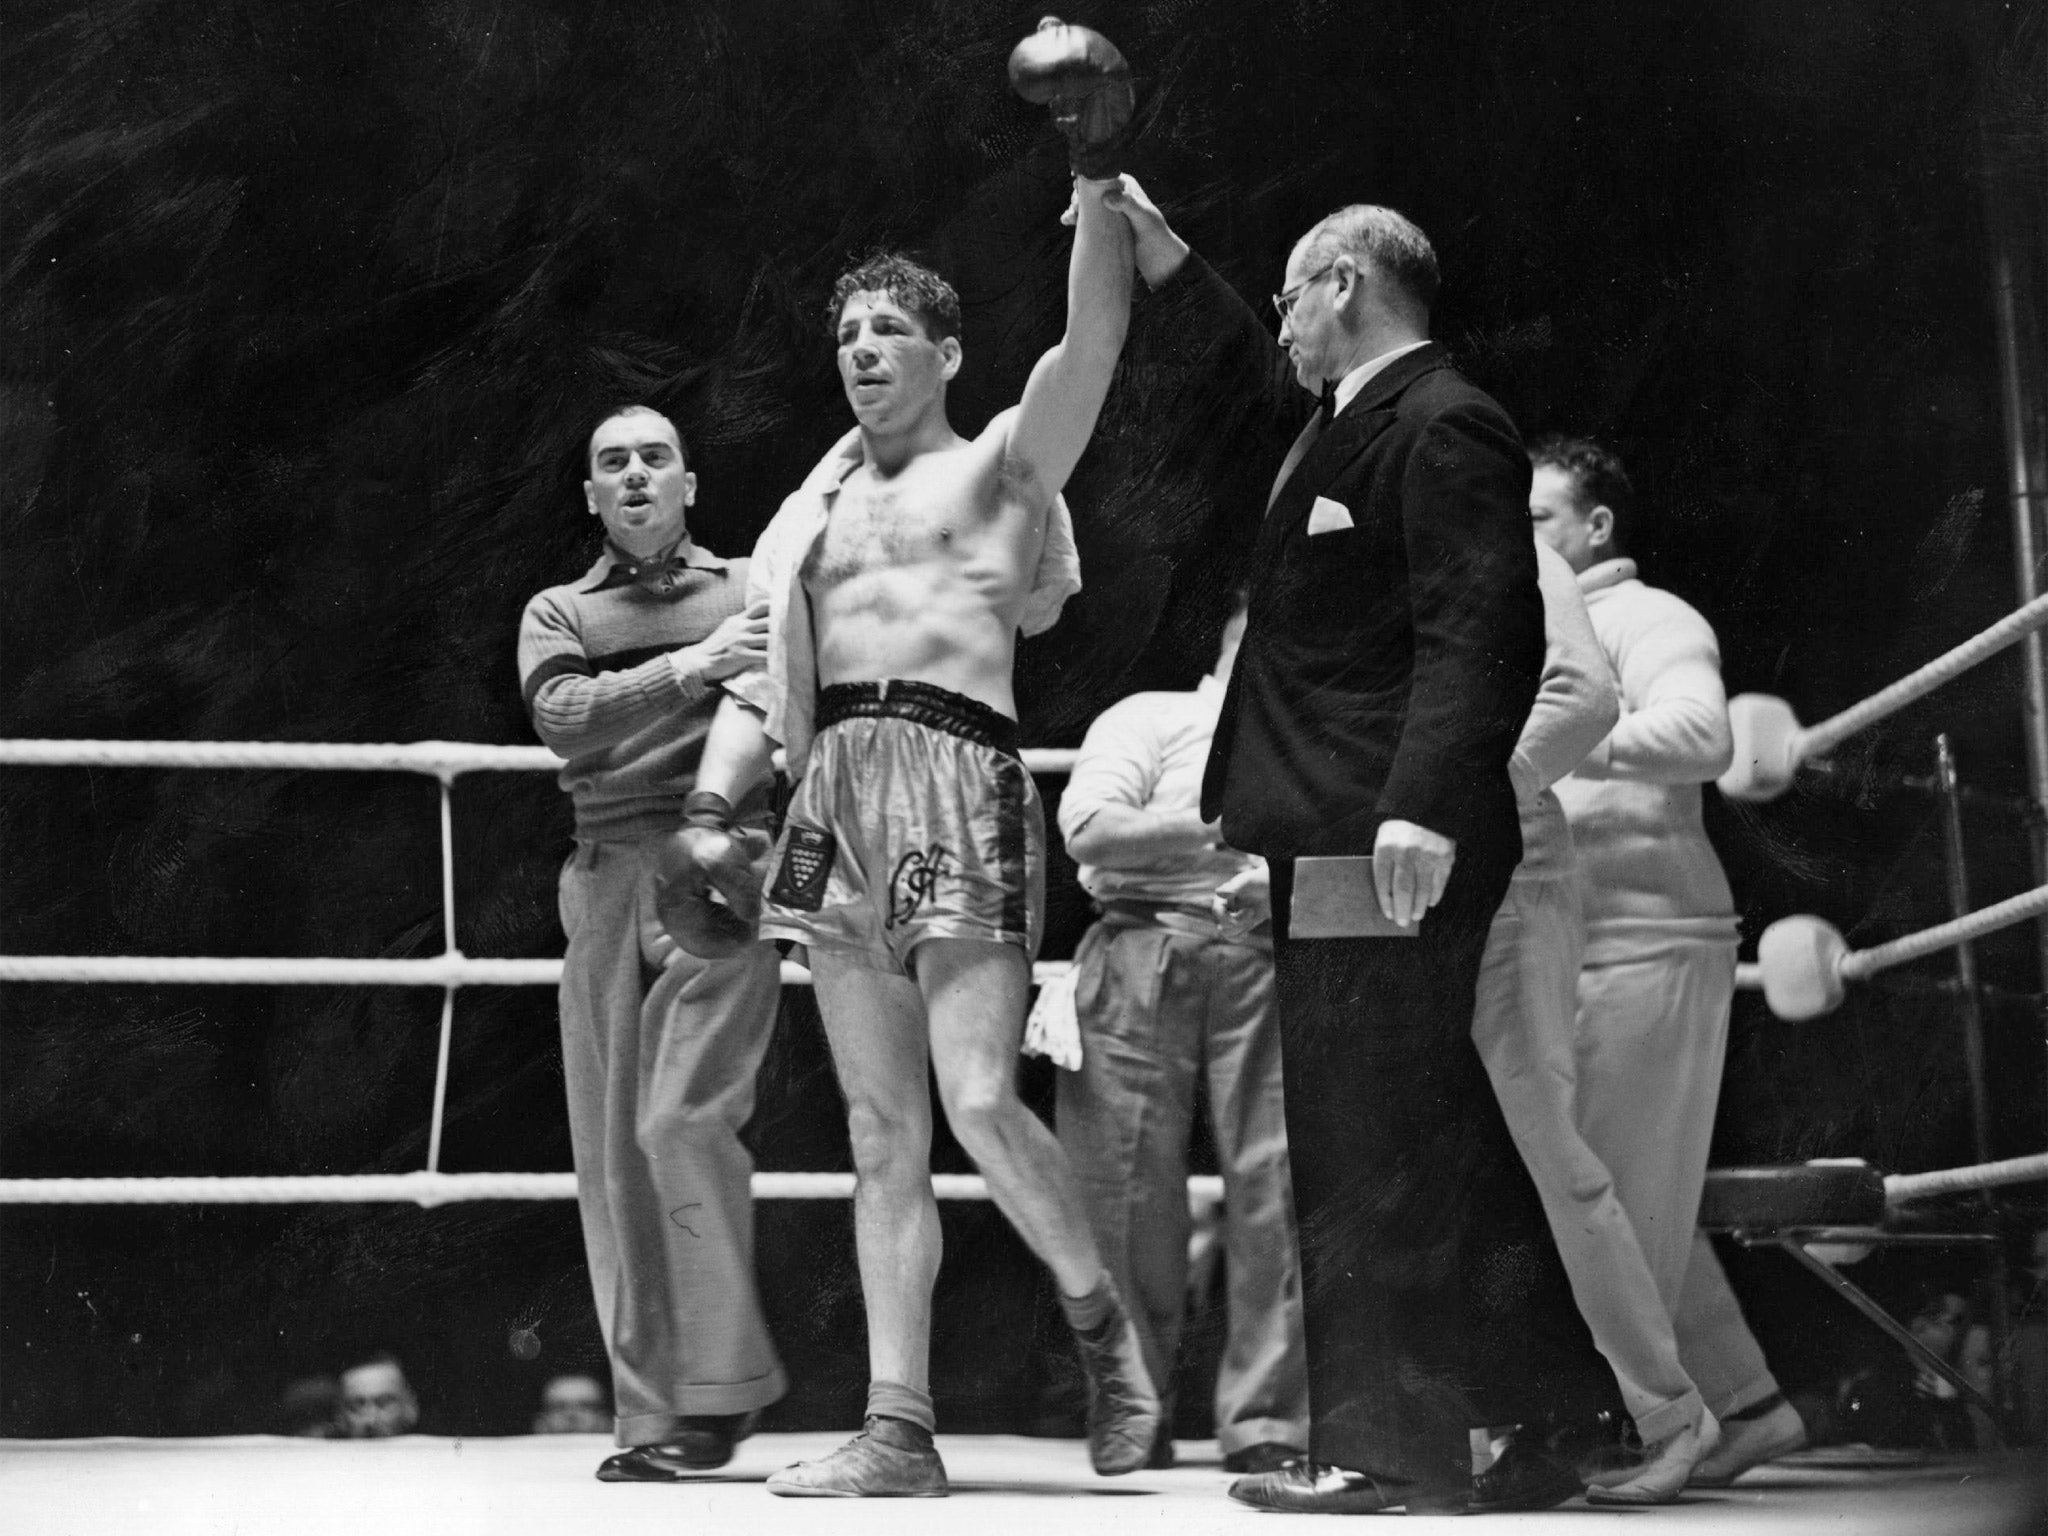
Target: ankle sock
x=1086, y=1314
x=911, y=1405
x=1755, y=1410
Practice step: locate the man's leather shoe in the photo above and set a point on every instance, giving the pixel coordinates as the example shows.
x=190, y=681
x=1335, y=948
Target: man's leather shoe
x=1266, y=1456
x=701, y=1443
x=1523, y=1477
x=1308, y=1488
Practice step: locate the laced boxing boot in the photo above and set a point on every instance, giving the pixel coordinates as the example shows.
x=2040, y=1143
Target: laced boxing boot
x=1123, y=1408
x=889, y=1459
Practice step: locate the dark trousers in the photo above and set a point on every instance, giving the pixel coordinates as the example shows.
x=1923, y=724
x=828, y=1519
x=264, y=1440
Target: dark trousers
x=1433, y=1297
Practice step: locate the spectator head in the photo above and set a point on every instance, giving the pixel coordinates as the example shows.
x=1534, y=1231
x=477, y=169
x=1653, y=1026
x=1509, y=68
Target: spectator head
x=1579, y=499
x=309, y=1407
x=376, y=1400
x=572, y=1405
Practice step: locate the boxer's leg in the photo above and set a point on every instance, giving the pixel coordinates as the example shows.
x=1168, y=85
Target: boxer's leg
x=875, y=1026
x=974, y=993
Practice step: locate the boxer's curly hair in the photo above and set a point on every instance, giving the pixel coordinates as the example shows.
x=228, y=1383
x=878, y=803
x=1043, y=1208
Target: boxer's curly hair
x=920, y=290
x=1596, y=474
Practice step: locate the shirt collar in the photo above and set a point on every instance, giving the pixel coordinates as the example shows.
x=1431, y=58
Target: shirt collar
x=682, y=552
x=1352, y=382
x=1608, y=573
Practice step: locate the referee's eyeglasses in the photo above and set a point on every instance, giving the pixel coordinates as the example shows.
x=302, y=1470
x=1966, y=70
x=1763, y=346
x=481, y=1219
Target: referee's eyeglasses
x=1283, y=303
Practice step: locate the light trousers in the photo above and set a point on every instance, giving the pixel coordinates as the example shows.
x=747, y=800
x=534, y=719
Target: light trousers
x=660, y=1051
x=1525, y=1023
x=1161, y=1013
x=1652, y=1040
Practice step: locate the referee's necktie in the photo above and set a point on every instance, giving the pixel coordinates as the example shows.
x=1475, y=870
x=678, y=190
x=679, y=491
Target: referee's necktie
x=1303, y=443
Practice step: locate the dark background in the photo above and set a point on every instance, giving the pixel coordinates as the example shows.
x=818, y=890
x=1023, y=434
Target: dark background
x=308, y=307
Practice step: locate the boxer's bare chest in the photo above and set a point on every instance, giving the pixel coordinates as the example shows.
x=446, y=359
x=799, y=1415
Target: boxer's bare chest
x=914, y=520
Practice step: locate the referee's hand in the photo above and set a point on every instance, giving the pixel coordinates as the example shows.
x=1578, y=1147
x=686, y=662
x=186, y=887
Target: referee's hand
x=1411, y=865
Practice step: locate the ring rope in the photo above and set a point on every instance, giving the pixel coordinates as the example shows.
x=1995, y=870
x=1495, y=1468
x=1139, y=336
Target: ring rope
x=1858, y=964
x=2009, y=630
x=440, y=759
x=456, y=970
x=1901, y=1187
x=2014, y=909
x=430, y=1189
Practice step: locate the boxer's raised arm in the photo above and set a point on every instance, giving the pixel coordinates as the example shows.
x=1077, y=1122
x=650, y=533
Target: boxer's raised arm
x=1055, y=419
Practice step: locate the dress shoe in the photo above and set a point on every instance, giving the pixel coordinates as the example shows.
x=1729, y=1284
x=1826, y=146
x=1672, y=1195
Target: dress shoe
x=1747, y=1443
x=1663, y=1471
x=1162, y=1458
x=1308, y=1488
x=701, y=1443
x=1266, y=1456
x=1523, y=1477
x=1123, y=1408
x=888, y=1459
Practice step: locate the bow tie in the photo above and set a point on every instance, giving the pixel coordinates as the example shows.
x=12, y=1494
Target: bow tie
x=662, y=577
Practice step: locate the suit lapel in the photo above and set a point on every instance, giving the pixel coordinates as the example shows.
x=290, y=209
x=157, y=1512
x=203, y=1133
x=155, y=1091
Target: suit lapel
x=1356, y=425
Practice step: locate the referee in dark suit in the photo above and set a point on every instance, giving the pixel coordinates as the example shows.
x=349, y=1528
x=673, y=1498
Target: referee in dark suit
x=1393, y=650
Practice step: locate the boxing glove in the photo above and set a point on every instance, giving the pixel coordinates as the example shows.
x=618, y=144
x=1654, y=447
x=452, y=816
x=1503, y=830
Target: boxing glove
x=1081, y=76
x=707, y=879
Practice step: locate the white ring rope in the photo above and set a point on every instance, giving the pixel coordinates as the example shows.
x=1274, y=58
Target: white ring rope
x=440, y=971
x=2010, y=630
x=1901, y=1187
x=429, y=1189
x=1771, y=746
x=1879, y=957
x=441, y=759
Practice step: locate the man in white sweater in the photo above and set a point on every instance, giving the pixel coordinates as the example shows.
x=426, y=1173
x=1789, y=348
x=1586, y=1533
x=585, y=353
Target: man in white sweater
x=1659, y=968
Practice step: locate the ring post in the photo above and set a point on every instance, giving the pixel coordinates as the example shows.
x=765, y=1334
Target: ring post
x=1970, y=1013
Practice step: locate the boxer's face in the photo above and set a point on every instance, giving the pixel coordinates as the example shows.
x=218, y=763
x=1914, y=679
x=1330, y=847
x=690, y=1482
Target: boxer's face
x=638, y=486
x=1583, y=535
x=889, y=366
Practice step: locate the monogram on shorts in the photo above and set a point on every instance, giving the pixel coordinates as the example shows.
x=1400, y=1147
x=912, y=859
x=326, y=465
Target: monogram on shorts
x=806, y=864
x=917, y=876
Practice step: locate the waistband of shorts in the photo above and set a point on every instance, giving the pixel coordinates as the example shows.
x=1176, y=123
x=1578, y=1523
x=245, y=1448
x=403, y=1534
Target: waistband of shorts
x=924, y=704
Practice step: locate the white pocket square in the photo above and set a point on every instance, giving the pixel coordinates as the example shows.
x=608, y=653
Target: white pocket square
x=1327, y=516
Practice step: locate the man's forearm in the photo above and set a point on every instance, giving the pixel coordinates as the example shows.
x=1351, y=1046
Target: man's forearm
x=736, y=751
x=1123, y=836
x=1098, y=283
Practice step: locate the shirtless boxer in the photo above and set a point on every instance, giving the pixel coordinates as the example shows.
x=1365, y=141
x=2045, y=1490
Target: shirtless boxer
x=911, y=864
